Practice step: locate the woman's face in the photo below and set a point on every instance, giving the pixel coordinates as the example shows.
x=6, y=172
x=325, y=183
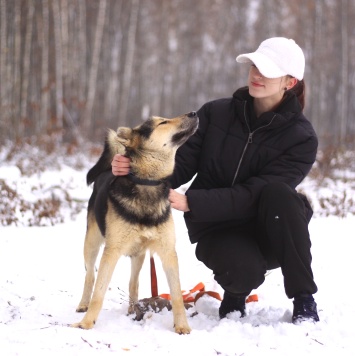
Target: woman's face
x=261, y=87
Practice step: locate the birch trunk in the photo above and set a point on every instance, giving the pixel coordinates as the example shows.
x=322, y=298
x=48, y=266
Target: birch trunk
x=26, y=69
x=128, y=66
x=344, y=70
x=16, y=101
x=88, y=119
x=44, y=39
x=58, y=65
x=316, y=73
x=111, y=107
x=82, y=51
x=4, y=82
x=64, y=17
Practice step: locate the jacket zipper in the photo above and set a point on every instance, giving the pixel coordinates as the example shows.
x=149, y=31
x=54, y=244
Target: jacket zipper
x=249, y=140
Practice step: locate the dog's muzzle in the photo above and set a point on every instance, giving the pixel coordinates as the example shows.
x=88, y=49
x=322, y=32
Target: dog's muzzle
x=192, y=114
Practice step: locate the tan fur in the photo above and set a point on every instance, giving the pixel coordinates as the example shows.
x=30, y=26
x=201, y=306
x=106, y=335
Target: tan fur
x=153, y=159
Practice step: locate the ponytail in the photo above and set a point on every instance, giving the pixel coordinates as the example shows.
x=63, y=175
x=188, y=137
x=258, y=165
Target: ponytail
x=300, y=91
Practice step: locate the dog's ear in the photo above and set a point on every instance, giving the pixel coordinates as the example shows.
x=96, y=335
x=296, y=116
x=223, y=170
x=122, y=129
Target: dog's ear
x=124, y=135
x=118, y=141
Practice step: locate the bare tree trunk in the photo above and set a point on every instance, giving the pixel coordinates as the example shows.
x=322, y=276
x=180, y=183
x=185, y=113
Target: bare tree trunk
x=16, y=93
x=110, y=108
x=128, y=66
x=4, y=82
x=316, y=73
x=58, y=65
x=68, y=63
x=344, y=70
x=64, y=17
x=44, y=39
x=114, y=47
x=26, y=68
x=82, y=51
x=87, y=124
x=159, y=75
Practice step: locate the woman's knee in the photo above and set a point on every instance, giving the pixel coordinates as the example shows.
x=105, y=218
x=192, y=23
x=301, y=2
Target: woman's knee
x=236, y=261
x=279, y=197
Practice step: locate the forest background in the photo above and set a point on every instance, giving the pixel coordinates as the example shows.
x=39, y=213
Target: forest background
x=71, y=68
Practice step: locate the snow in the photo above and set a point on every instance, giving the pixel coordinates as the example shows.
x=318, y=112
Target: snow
x=42, y=276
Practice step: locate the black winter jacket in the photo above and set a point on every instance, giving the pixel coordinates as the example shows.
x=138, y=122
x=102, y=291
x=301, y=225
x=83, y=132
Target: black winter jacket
x=235, y=155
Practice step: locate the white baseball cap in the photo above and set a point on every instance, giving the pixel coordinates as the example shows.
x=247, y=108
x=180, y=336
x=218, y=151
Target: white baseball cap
x=277, y=57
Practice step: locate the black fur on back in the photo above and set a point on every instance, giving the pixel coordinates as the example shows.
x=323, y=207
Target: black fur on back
x=102, y=165
x=99, y=197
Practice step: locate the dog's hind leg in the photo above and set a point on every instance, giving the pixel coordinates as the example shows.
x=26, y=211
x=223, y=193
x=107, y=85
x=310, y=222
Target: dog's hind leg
x=136, y=266
x=170, y=264
x=93, y=241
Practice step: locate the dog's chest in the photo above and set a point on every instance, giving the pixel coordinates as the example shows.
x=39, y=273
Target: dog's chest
x=142, y=239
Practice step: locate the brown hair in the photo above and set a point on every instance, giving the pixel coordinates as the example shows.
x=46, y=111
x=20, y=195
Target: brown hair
x=300, y=91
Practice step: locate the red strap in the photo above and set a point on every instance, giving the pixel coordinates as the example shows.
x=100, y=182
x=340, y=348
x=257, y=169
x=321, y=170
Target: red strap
x=188, y=297
x=210, y=293
x=252, y=298
x=193, y=294
x=153, y=278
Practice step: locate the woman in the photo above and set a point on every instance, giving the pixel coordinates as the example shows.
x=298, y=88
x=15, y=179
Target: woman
x=249, y=154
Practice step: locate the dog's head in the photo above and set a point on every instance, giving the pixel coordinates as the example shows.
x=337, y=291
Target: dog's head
x=158, y=133
x=156, y=140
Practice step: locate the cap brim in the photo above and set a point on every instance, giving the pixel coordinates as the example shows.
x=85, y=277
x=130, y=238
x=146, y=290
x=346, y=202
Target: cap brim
x=266, y=67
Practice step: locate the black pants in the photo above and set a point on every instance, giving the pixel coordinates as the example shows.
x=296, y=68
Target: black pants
x=279, y=237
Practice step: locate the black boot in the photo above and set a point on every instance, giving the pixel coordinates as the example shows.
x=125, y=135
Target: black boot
x=231, y=303
x=304, y=308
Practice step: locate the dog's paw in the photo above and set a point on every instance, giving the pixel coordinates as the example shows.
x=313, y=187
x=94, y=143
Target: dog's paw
x=83, y=325
x=82, y=309
x=182, y=330
x=131, y=309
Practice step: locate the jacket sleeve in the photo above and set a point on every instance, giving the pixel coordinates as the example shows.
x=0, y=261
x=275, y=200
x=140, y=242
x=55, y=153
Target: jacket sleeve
x=241, y=200
x=187, y=156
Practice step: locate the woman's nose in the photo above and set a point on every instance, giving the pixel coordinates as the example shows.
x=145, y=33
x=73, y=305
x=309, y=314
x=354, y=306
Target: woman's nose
x=257, y=74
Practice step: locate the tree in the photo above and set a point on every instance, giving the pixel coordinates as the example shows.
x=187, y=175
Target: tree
x=128, y=64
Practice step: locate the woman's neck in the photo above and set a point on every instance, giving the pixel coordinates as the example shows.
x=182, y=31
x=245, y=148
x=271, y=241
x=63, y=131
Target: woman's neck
x=262, y=105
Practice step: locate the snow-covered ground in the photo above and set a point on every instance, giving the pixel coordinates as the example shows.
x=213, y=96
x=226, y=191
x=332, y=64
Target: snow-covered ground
x=42, y=276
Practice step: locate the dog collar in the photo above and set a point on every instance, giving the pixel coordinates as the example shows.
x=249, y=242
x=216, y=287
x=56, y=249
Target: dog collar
x=141, y=181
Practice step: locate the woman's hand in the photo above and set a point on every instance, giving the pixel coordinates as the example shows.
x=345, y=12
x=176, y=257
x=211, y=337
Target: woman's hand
x=178, y=201
x=120, y=165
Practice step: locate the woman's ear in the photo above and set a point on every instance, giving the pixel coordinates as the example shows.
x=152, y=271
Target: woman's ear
x=291, y=82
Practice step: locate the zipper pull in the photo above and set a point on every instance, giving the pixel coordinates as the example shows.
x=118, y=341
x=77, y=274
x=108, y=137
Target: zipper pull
x=250, y=139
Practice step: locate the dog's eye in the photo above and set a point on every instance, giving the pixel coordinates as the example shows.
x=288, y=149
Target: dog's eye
x=163, y=123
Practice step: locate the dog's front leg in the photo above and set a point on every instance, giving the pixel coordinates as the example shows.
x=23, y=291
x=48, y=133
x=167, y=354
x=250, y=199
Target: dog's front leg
x=136, y=266
x=108, y=263
x=170, y=265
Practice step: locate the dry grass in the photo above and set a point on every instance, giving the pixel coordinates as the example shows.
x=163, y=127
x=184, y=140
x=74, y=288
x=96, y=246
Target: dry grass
x=329, y=186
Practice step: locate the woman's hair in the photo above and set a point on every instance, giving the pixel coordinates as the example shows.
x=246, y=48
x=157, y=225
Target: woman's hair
x=300, y=91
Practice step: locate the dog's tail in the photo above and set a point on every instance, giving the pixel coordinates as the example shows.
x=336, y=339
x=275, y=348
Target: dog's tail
x=111, y=147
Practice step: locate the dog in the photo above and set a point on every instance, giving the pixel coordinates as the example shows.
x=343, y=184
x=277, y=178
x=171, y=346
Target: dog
x=131, y=214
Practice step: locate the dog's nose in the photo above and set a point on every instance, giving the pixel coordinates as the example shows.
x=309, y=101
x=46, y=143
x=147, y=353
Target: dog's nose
x=192, y=114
